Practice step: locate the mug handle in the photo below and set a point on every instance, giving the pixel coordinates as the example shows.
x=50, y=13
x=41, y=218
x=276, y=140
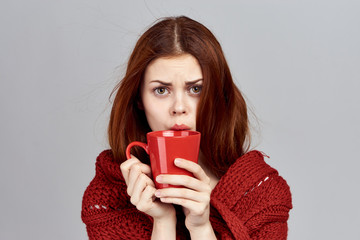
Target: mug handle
x=140, y=144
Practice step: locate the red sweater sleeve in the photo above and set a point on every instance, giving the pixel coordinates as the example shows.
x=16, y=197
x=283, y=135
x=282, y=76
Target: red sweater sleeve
x=253, y=199
x=106, y=210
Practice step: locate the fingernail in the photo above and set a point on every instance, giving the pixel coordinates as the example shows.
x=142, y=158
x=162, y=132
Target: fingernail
x=158, y=193
x=177, y=161
x=158, y=179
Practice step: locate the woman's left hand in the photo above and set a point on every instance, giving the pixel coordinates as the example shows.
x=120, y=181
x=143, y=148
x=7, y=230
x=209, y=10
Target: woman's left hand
x=194, y=197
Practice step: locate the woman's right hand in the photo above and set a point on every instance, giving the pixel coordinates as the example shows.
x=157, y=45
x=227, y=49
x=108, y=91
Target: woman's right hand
x=141, y=189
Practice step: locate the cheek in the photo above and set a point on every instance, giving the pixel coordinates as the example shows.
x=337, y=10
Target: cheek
x=155, y=111
x=194, y=104
x=195, y=107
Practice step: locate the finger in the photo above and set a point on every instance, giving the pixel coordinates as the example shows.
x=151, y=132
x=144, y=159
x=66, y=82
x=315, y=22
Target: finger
x=184, y=180
x=194, y=207
x=146, y=169
x=148, y=195
x=192, y=167
x=133, y=176
x=183, y=193
x=140, y=185
x=125, y=167
x=147, y=199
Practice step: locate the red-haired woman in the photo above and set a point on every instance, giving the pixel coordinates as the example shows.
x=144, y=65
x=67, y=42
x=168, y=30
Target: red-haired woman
x=177, y=78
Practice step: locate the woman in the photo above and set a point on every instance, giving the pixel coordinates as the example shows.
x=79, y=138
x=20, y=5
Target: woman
x=177, y=78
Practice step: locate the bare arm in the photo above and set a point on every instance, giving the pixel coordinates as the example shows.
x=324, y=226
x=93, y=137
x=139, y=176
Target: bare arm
x=164, y=229
x=204, y=232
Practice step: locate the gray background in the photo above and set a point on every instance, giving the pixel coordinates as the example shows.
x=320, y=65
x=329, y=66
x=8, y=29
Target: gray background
x=297, y=62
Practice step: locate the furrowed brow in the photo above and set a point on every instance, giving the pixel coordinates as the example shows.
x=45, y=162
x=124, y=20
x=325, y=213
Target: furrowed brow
x=161, y=82
x=193, y=82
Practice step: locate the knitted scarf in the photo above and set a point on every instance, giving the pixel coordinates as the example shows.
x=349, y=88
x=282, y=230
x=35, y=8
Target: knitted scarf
x=251, y=201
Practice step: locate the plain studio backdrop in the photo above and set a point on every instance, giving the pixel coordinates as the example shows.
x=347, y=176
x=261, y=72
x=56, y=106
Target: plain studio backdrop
x=297, y=62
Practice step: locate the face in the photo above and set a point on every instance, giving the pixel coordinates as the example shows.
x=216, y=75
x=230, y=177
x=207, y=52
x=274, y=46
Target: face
x=170, y=92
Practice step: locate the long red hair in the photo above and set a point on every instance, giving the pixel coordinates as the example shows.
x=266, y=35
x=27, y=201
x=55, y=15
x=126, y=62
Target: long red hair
x=222, y=115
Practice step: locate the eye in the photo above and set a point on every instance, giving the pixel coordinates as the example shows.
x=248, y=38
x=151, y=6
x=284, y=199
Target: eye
x=160, y=91
x=195, y=89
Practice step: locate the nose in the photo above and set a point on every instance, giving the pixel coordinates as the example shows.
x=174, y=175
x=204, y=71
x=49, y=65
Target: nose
x=179, y=106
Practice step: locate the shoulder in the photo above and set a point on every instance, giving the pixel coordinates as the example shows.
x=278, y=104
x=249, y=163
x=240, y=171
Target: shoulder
x=249, y=165
x=252, y=193
x=108, y=167
x=248, y=173
x=246, y=170
x=107, y=190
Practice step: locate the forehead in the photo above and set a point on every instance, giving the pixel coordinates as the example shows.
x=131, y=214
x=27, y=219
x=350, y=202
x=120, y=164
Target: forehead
x=184, y=65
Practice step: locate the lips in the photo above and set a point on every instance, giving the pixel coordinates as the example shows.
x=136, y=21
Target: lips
x=180, y=127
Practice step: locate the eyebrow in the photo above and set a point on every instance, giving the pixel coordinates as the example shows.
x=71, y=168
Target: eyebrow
x=169, y=84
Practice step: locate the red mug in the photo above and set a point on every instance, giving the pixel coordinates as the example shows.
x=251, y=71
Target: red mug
x=164, y=146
